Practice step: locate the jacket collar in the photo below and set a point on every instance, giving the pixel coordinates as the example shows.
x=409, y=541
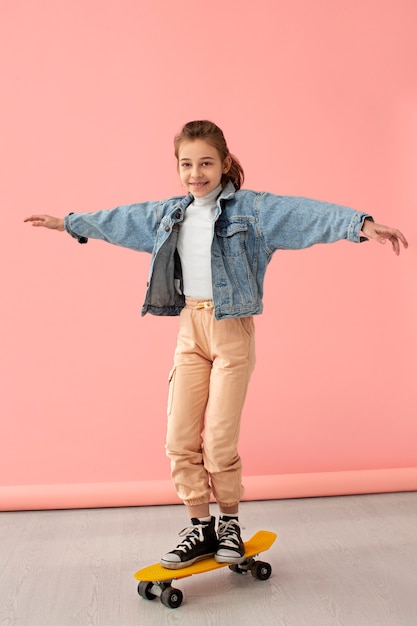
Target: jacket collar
x=228, y=192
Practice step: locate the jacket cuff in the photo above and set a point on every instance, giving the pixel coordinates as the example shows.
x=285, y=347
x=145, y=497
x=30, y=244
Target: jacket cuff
x=366, y=217
x=71, y=232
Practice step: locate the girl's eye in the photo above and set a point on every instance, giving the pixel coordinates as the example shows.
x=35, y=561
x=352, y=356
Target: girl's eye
x=206, y=163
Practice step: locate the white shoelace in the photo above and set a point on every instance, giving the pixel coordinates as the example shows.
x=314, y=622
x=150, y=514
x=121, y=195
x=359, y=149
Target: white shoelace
x=228, y=535
x=192, y=538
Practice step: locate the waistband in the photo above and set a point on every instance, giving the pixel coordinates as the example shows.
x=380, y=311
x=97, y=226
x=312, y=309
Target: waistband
x=198, y=303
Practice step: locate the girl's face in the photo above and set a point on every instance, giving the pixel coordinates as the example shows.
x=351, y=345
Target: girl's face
x=200, y=167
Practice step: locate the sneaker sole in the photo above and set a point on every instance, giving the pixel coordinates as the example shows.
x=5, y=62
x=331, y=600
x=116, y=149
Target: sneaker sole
x=183, y=564
x=237, y=560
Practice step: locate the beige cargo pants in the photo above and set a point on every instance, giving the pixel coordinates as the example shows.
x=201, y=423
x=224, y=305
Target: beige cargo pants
x=213, y=362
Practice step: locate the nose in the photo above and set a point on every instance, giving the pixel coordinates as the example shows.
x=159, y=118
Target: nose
x=195, y=171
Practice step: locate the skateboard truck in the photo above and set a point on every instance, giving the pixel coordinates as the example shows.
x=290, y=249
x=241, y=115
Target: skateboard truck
x=170, y=597
x=259, y=569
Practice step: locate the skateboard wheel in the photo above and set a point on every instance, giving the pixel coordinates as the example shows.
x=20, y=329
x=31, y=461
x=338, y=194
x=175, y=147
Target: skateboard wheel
x=261, y=570
x=236, y=569
x=144, y=590
x=171, y=597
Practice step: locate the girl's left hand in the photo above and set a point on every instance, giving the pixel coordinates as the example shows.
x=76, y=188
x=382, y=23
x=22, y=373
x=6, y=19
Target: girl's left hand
x=381, y=233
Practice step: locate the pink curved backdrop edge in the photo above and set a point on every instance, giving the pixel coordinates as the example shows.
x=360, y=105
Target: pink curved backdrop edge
x=149, y=493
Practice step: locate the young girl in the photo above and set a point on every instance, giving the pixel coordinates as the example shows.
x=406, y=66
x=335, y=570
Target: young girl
x=210, y=249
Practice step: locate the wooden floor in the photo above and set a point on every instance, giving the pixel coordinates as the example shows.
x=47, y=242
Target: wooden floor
x=341, y=561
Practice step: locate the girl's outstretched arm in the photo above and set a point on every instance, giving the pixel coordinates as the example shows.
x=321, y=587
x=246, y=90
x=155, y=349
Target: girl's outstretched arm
x=381, y=233
x=46, y=221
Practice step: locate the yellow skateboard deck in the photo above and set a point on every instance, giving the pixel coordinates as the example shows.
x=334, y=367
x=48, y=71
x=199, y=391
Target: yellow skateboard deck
x=156, y=580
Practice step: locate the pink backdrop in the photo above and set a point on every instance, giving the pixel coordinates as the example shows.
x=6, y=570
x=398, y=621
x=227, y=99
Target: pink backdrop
x=317, y=99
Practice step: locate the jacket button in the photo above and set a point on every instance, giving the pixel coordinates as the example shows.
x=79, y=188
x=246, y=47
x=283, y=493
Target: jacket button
x=177, y=216
x=167, y=229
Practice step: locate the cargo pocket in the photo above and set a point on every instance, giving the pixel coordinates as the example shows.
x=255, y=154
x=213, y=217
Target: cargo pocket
x=171, y=382
x=247, y=325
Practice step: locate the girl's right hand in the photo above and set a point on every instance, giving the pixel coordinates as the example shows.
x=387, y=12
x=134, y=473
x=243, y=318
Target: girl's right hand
x=46, y=221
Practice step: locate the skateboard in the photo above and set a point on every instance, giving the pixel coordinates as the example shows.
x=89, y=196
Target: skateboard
x=156, y=580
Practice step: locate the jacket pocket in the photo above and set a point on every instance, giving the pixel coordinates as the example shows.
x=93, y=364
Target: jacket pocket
x=232, y=238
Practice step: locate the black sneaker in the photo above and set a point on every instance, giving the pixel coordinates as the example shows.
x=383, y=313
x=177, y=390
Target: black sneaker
x=200, y=542
x=231, y=548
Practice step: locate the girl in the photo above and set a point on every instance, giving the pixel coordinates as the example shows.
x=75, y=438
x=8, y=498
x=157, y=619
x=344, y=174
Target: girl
x=210, y=249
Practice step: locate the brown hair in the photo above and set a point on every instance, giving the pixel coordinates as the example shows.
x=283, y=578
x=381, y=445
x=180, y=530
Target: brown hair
x=203, y=129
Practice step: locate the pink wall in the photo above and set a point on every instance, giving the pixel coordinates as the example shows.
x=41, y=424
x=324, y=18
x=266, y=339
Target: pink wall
x=317, y=99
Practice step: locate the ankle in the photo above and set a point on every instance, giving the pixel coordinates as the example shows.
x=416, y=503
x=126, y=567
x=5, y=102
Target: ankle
x=230, y=511
x=199, y=510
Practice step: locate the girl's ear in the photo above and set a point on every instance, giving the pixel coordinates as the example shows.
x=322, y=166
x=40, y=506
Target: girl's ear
x=227, y=164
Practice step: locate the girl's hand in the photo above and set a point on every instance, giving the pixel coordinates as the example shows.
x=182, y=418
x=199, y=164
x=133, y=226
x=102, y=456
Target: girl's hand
x=47, y=221
x=381, y=233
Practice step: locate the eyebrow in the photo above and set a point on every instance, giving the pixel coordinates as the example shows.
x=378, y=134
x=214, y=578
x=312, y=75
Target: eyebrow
x=200, y=159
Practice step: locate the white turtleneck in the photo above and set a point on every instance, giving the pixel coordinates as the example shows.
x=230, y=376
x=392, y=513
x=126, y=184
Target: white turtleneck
x=194, y=245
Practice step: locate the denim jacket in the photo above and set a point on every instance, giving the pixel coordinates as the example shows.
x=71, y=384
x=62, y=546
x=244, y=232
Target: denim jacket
x=249, y=227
